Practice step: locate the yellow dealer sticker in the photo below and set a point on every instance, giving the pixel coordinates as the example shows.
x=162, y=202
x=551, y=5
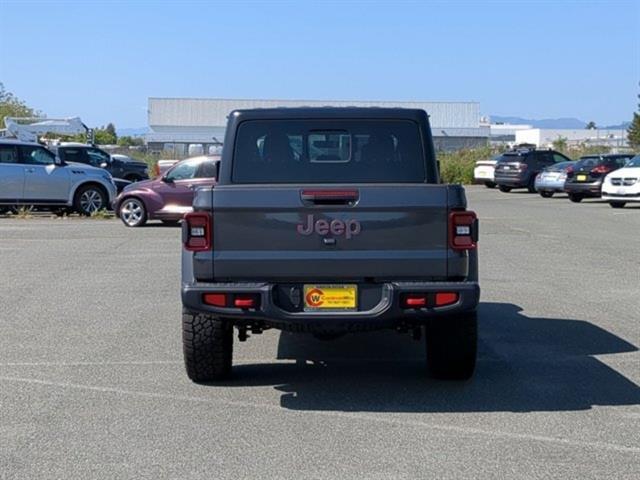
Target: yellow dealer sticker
x=330, y=297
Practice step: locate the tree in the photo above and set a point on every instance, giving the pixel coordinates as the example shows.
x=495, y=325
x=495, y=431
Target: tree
x=111, y=130
x=105, y=135
x=633, y=133
x=591, y=125
x=127, y=141
x=12, y=106
x=560, y=144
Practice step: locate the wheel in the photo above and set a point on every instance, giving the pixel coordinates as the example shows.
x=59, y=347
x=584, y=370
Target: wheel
x=617, y=204
x=504, y=188
x=576, y=197
x=89, y=199
x=452, y=345
x=531, y=186
x=207, y=343
x=132, y=212
x=545, y=194
x=490, y=184
x=133, y=178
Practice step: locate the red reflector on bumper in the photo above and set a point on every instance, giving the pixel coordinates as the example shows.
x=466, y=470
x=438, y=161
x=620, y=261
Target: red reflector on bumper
x=215, y=299
x=414, y=301
x=446, y=298
x=245, y=302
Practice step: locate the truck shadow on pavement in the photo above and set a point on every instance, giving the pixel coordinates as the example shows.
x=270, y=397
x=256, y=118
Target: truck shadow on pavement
x=525, y=364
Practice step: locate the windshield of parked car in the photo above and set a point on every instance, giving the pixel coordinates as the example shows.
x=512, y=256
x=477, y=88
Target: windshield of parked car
x=328, y=151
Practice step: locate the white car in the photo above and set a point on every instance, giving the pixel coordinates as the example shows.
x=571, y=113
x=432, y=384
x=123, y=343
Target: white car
x=484, y=172
x=32, y=175
x=623, y=185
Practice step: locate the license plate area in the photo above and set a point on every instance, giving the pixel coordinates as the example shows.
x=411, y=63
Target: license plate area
x=581, y=178
x=330, y=297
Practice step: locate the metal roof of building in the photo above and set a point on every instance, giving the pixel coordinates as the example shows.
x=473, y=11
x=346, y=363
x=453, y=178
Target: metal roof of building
x=212, y=112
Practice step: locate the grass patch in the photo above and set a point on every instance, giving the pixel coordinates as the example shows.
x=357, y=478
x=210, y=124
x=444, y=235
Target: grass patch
x=101, y=214
x=23, y=212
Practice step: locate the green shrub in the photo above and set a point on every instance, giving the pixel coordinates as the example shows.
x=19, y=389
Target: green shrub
x=457, y=167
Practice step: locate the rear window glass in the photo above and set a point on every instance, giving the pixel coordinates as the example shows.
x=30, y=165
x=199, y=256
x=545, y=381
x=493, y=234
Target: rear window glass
x=588, y=162
x=328, y=151
x=512, y=157
x=559, y=167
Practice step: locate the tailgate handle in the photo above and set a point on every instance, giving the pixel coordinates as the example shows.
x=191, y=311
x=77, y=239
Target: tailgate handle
x=330, y=196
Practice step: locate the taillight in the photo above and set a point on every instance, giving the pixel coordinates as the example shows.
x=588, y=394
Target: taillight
x=569, y=170
x=463, y=230
x=522, y=167
x=601, y=169
x=196, y=231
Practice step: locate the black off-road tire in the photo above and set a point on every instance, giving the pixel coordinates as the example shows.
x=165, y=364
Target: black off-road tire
x=490, y=184
x=531, y=186
x=452, y=346
x=617, y=204
x=208, y=347
x=546, y=194
x=504, y=188
x=576, y=197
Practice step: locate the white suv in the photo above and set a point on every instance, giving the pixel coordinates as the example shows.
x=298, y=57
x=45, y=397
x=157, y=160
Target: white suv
x=623, y=185
x=32, y=175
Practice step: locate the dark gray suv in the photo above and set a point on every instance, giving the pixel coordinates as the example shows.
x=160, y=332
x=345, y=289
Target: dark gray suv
x=518, y=168
x=132, y=171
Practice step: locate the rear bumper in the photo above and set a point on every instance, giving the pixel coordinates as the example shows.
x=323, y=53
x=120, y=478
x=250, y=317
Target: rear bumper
x=549, y=185
x=592, y=189
x=511, y=181
x=386, y=313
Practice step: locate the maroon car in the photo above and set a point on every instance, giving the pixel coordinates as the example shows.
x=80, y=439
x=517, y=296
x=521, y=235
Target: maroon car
x=166, y=198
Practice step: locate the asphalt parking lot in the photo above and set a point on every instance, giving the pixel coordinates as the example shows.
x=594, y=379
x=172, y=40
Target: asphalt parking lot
x=92, y=383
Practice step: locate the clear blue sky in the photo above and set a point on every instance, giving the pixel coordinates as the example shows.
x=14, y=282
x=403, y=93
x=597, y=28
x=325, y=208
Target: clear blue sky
x=102, y=60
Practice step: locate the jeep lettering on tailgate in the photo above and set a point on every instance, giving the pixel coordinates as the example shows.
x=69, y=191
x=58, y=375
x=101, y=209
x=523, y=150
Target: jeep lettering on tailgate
x=349, y=228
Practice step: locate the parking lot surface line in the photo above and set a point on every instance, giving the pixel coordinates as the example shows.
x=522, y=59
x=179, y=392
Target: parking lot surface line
x=346, y=415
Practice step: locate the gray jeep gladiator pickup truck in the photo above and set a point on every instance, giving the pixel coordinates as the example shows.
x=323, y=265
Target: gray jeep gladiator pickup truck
x=329, y=221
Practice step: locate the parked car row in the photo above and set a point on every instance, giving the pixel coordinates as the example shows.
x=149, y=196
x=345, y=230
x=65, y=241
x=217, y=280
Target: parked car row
x=85, y=179
x=615, y=177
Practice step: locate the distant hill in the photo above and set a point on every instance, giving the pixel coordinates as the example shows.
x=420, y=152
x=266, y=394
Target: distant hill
x=554, y=123
x=132, y=132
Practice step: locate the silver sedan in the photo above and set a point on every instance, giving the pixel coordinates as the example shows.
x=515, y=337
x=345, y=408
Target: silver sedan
x=551, y=179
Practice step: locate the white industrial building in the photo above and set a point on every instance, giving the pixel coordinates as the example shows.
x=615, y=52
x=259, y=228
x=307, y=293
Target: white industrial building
x=542, y=137
x=180, y=124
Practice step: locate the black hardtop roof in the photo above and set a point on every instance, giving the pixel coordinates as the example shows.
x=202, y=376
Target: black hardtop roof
x=328, y=112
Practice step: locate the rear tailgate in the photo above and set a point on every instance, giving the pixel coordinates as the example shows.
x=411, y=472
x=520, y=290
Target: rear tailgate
x=263, y=232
